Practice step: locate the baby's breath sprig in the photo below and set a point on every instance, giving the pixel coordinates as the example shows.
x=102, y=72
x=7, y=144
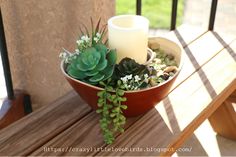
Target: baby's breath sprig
x=91, y=39
x=86, y=40
x=136, y=82
x=68, y=56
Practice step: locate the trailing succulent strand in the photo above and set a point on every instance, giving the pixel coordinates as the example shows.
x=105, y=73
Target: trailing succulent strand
x=111, y=110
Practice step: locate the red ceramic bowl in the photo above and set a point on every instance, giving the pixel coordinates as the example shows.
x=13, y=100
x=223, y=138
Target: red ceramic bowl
x=139, y=101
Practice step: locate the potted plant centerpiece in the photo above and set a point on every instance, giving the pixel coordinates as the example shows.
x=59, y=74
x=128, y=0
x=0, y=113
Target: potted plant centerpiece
x=124, y=78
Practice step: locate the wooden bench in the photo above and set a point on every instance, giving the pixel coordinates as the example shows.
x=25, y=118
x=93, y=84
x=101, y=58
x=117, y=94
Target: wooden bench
x=202, y=91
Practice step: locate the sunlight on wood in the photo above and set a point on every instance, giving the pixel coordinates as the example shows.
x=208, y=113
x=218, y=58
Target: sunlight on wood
x=161, y=109
x=187, y=34
x=234, y=106
x=198, y=93
x=207, y=137
x=183, y=97
x=202, y=51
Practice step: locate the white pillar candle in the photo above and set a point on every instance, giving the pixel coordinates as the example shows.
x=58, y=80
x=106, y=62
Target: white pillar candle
x=128, y=34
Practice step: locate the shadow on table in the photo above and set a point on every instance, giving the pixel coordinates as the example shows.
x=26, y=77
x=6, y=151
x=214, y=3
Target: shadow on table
x=227, y=47
x=192, y=142
x=226, y=146
x=192, y=147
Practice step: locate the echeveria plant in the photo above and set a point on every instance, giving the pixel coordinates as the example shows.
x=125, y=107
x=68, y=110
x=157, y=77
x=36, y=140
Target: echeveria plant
x=93, y=64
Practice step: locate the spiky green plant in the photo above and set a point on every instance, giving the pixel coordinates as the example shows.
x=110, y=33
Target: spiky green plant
x=91, y=39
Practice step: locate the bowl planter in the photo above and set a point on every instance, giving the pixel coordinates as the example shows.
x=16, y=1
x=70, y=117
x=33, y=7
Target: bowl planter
x=139, y=101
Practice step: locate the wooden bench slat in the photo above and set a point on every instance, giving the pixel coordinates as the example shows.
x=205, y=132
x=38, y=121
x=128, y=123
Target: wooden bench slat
x=96, y=127
x=86, y=133
x=223, y=120
x=188, y=33
x=200, y=52
x=32, y=131
x=186, y=107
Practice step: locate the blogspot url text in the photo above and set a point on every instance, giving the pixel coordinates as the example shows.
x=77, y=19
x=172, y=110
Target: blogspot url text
x=114, y=149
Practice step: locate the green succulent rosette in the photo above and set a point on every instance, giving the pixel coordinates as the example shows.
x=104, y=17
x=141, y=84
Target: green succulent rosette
x=93, y=65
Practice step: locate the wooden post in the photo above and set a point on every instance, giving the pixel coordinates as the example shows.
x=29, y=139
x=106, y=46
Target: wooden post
x=223, y=120
x=17, y=104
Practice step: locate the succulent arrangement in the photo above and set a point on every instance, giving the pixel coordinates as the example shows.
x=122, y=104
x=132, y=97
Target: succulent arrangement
x=94, y=63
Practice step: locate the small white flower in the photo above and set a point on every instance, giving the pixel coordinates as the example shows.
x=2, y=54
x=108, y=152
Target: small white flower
x=77, y=51
x=96, y=39
x=79, y=42
x=62, y=55
x=85, y=38
x=98, y=35
x=137, y=78
x=129, y=77
x=145, y=76
x=146, y=79
x=124, y=79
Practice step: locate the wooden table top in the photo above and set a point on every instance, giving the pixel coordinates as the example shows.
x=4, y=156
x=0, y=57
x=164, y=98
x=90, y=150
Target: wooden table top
x=69, y=126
